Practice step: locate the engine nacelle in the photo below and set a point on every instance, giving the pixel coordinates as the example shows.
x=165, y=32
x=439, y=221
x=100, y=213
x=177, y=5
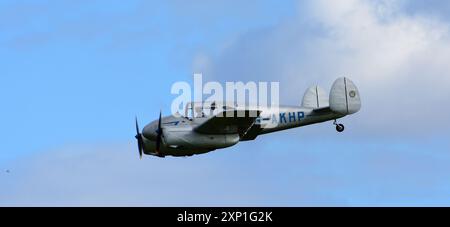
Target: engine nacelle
x=198, y=140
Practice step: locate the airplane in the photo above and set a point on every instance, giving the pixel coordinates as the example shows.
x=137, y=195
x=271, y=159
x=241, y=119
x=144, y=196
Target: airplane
x=207, y=127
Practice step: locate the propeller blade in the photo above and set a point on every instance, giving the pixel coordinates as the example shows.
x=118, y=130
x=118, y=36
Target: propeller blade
x=139, y=139
x=137, y=126
x=159, y=134
x=159, y=122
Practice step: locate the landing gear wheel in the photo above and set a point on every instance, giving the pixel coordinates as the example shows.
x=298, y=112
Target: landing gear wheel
x=340, y=127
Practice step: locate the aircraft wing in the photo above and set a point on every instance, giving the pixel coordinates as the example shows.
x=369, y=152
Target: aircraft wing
x=221, y=124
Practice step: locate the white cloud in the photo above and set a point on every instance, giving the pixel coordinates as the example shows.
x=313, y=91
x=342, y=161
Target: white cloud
x=399, y=61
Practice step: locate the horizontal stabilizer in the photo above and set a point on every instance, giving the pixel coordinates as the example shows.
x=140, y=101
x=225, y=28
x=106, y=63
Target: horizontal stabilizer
x=323, y=110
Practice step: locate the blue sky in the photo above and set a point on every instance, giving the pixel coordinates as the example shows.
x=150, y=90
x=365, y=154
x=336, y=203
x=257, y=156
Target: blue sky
x=79, y=67
x=75, y=73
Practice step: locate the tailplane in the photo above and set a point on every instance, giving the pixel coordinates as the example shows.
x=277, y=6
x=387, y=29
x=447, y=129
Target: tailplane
x=343, y=99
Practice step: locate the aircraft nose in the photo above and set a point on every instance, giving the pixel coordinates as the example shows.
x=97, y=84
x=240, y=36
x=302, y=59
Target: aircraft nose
x=149, y=132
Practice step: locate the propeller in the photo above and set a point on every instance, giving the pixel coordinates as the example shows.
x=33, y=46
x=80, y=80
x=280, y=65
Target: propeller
x=139, y=139
x=159, y=133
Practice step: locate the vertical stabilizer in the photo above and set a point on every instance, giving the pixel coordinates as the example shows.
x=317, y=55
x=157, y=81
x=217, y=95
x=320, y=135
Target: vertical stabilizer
x=315, y=97
x=344, y=97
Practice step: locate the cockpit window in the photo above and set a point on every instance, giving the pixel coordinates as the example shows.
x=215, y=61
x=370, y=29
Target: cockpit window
x=201, y=110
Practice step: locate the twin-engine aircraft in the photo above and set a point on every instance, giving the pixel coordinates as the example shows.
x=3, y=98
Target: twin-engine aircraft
x=207, y=127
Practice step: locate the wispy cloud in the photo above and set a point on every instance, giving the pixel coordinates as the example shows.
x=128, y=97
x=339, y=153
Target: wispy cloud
x=271, y=172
